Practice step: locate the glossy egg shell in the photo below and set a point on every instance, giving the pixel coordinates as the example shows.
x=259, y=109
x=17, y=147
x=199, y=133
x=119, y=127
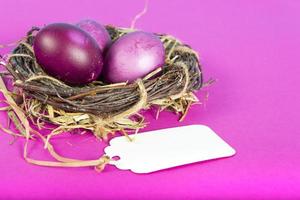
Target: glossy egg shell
x=133, y=56
x=97, y=31
x=68, y=53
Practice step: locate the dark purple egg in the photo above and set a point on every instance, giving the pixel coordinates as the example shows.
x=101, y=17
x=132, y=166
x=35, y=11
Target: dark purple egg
x=133, y=56
x=97, y=31
x=68, y=53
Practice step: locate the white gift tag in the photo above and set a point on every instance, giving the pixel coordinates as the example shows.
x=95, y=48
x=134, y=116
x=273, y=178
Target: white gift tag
x=166, y=148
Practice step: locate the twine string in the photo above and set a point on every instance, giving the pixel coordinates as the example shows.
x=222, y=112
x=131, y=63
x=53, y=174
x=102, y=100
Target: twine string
x=99, y=164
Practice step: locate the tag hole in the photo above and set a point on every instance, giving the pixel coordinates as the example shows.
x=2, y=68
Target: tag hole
x=116, y=158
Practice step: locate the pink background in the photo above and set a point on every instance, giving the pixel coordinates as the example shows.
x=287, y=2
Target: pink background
x=251, y=47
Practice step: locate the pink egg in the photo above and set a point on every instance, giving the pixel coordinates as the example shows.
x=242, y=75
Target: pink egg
x=97, y=31
x=133, y=56
x=68, y=53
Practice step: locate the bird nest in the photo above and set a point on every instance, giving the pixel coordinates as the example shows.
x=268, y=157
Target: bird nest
x=99, y=107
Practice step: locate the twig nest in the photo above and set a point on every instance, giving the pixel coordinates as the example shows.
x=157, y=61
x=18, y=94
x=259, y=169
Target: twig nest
x=96, y=106
x=106, y=108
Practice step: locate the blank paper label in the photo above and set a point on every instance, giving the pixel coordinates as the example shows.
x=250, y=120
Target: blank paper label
x=166, y=148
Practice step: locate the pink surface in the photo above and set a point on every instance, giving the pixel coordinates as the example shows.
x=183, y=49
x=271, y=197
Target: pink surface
x=251, y=47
